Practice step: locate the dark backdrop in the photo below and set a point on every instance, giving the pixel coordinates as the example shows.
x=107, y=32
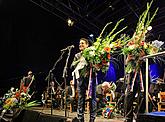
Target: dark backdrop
x=31, y=39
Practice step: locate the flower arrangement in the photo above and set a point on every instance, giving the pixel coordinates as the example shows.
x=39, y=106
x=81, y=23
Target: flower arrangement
x=16, y=99
x=98, y=55
x=137, y=46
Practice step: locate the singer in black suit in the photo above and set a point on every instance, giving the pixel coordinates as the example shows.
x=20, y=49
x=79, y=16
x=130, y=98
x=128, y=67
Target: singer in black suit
x=82, y=80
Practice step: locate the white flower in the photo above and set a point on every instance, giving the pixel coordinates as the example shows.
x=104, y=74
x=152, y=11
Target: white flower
x=157, y=43
x=12, y=89
x=92, y=53
x=23, y=94
x=92, y=48
x=111, y=45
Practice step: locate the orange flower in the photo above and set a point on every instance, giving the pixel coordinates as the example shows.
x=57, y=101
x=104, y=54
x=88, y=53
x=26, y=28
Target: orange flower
x=107, y=49
x=8, y=101
x=131, y=43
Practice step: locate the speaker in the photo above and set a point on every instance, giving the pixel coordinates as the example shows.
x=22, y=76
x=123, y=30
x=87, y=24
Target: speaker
x=51, y=118
x=34, y=116
x=30, y=116
x=27, y=116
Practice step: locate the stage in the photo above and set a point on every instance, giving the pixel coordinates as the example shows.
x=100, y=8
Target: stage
x=44, y=114
x=71, y=116
x=152, y=117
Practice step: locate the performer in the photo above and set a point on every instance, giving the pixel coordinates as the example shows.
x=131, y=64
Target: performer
x=105, y=87
x=71, y=94
x=102, y=90
x=82, y=78
x=28, y=81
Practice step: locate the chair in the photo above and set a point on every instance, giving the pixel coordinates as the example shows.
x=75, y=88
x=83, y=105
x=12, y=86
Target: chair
x=110, y=97
x=74, y=105
x=161, y=103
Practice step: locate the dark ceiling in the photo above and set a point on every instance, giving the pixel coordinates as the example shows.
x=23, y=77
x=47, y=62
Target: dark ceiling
x=34, y=31
x=91, y=16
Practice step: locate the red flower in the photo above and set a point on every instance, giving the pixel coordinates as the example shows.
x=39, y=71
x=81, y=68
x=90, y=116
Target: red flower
x=108, y=56
x=142, y=43
x=17, y=94
x=24, y=89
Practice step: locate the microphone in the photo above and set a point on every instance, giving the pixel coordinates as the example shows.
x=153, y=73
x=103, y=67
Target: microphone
x=68, y=47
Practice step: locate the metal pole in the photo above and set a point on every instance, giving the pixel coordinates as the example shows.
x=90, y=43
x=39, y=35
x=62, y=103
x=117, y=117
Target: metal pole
x=146, y=85
x=51, y=101
x=64, y=76
x=146, y=58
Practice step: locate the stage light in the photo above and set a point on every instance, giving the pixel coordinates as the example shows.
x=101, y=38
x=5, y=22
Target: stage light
x=149, y=28
x=91, y=35
x=70, y=22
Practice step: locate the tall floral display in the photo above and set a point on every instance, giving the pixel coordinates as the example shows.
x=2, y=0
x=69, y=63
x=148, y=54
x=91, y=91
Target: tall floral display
x=97, y=56
x=137, y=46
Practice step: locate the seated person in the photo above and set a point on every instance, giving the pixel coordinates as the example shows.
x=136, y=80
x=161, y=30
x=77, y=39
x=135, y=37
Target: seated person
x=70, y=94
x=71, y=90
x=102, y=90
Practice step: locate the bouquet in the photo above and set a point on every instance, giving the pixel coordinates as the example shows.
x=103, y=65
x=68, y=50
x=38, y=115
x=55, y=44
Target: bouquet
x=98, y=55
x=16, y=99
x=137, y=47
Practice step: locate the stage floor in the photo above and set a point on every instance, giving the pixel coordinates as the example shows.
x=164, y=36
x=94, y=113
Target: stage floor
x=72, y=115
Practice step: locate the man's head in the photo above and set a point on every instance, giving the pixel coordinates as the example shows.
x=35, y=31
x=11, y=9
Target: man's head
x=30, y=74
x=105, y=86
x=84, y=43
x=71, y=83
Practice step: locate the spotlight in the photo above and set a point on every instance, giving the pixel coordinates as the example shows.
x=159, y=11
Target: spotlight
x=91, y=35
x=91, y=39
x=149, y=28
x=70, y=22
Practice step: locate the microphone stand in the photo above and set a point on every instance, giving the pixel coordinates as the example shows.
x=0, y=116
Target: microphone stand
x=64, y=76
x=51, y=77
